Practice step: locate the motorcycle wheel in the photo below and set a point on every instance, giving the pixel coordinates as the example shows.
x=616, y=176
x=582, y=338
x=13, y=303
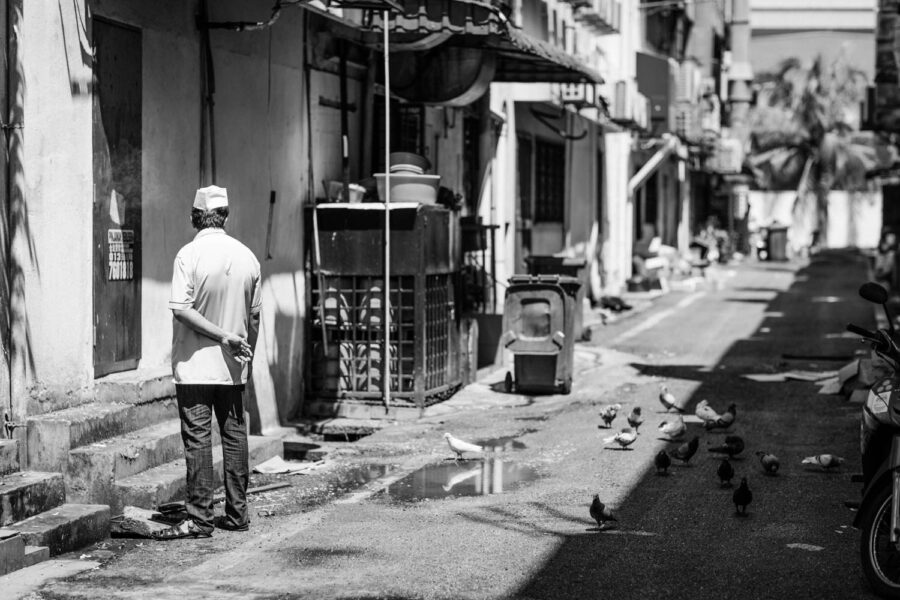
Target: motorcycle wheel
x=879, y=558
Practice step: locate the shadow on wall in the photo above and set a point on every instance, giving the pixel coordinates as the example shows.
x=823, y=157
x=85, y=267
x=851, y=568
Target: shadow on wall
x=275, y=398
x=17, y=246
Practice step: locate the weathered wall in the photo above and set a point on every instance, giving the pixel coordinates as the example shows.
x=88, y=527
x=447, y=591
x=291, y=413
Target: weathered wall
x=52, y=248
x=582, y=186
x=617, y=233
x=260, y=144
x=501, y=207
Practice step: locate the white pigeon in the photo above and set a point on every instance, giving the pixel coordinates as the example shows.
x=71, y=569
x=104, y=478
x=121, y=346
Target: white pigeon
x=673, y=429
x=668, y=399
x=826, y=461
x=624, y=438
x=705, y=412
x=459, y=446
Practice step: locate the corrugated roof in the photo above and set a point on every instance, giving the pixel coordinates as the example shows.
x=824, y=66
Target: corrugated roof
x=522, y=58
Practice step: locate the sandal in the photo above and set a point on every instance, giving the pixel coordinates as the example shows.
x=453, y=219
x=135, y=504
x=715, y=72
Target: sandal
x=186, y=529
x=224, y=523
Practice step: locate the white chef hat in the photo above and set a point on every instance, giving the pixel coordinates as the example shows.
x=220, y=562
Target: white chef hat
x=211, y=197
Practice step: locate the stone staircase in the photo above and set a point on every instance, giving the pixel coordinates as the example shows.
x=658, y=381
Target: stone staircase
x=124, y=448
x=35, y=520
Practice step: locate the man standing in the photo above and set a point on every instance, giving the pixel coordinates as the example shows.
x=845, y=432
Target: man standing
x=215, y=301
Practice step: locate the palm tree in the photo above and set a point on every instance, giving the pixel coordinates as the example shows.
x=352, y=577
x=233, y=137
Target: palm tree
x=805, y=132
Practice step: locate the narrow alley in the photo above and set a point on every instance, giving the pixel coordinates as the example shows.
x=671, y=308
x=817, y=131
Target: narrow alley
x=677, y=535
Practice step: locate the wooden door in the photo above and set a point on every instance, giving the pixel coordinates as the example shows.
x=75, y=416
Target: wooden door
x=117, y=197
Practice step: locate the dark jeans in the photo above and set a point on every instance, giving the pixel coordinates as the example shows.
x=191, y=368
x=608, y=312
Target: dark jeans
x=196, y=404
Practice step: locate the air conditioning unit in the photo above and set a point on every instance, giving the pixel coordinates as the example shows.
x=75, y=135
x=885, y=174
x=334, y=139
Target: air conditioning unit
x=729, y=156
x=604, y=16
x=630, y=107
x=616, y=22
x=688, y=87
x=687, y=121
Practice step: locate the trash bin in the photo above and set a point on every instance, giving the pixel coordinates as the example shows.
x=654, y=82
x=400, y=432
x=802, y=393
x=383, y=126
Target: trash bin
x=776, y=243
x=554, y=265
x=538, y=328
x=564, y=265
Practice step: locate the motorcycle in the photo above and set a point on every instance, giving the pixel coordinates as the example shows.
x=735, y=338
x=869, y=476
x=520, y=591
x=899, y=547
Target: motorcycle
x=878, y=518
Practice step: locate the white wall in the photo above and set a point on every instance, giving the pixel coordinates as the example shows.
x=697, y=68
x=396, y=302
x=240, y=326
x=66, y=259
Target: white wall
x=53, y=242
x=617, y=232
x=261, y=146
x=854, y=219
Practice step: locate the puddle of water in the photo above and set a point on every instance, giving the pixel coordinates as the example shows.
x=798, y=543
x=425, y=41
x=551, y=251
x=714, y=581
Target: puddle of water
x=356, y=476
x=469, y=478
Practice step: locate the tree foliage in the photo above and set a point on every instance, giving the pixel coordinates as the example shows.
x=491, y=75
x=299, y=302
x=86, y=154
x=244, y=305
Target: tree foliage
x=805, y=131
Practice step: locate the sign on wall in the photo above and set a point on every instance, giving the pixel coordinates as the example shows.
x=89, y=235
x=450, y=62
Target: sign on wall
x=121, y=254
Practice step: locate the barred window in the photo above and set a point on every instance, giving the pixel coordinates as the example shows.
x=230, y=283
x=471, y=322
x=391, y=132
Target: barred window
x=549, y=182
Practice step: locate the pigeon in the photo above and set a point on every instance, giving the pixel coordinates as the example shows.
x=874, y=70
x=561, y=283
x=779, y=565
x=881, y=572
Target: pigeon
x=459, y=446
x=733, y=446
x=608, y=414
x=725, y=420
x=705, y=412
x=769, y=462
x=668, y=399
x=673, y=429
x=601, y=513
x=742, y=497
x=624, y=438
x=686, y=452
x=826, y=461
x=635, y=419
x=662, y=462
x=725, y=472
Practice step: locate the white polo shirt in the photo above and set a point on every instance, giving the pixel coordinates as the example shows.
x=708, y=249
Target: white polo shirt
x=218, y=276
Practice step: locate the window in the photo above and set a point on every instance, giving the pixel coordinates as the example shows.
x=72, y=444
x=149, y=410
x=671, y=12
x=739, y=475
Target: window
x=407, y=130
x=542, y=184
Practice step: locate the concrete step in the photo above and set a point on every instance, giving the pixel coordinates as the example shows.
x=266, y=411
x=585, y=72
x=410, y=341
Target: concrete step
x=93, y=470
x=35, y=554
x=12, y=551
x=52, y=435
x=166, y=483
x=9, y=456
x=27, y=493
x=65, y=527
x=135, y=387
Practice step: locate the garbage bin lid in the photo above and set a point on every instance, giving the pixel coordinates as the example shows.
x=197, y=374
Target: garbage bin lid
x=566, y=261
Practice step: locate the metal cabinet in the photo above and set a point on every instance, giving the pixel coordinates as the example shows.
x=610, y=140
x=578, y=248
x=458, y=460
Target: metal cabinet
x=346, y=326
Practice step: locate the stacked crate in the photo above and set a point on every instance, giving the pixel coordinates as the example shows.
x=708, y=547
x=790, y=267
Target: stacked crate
x=347, y=309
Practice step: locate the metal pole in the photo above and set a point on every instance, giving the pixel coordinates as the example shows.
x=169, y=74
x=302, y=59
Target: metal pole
x=386, y=319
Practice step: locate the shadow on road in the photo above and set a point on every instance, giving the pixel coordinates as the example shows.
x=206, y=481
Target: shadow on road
x=677, y=536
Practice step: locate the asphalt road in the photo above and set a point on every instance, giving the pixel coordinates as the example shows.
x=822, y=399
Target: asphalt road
x=677, y=535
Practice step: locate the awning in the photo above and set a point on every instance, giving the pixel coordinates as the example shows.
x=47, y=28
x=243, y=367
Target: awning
x=471, y=23
x=669, y=146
